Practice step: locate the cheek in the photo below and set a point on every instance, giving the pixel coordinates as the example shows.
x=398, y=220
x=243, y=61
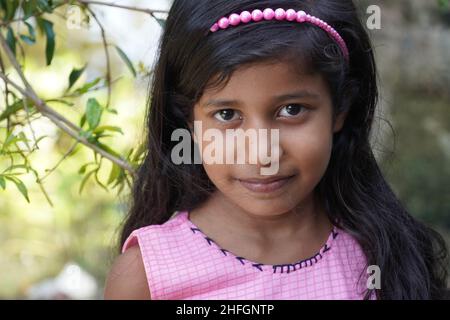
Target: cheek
x=220, y=175
x=310, y=149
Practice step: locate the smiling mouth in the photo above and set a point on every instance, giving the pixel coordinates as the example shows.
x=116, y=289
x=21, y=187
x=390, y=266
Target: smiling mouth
x=265, y=185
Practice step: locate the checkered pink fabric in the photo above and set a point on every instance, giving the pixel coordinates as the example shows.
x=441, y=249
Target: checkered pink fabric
x=181, y=262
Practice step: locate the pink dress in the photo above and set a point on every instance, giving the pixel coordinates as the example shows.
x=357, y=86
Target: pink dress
x=182, y=263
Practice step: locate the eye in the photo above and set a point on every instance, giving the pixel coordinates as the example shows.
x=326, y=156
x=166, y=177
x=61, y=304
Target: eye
x=225, y=115
x=291, y=110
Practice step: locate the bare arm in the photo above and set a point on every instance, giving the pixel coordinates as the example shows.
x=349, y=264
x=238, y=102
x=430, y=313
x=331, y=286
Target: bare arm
x=126, y=279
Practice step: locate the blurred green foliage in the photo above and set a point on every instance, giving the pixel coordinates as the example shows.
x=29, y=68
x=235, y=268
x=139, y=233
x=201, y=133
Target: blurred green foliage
x=21, y=102
x=419, y=168
x=52, y=210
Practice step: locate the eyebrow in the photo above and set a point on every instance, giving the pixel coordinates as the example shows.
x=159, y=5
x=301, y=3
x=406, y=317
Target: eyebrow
x=275, y=99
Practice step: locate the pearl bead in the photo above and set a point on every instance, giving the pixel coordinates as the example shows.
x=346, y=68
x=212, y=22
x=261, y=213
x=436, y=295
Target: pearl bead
x=214, y=28
x=257, y=15
x=301, y=16
x=246, y=16
x=268, y=14
x=291, y=15
x=234, y=19
x=280, y=14
x=223, y=23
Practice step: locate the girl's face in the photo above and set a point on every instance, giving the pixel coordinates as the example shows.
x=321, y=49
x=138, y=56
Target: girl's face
x=305, y=130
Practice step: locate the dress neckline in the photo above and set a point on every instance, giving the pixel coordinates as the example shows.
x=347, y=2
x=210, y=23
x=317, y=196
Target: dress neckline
x=277, y=268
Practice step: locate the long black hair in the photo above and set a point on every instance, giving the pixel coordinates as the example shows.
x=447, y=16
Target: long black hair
x=411, y=256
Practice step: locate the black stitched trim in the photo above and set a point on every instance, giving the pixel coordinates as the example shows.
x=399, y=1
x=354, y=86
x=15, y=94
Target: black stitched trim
x=258, y=265
x=335, y=233
x=288, y=267
x=296, y=266
x=209, y=240
x=303, y=263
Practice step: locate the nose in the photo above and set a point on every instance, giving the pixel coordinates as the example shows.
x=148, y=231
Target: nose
x=266, y=151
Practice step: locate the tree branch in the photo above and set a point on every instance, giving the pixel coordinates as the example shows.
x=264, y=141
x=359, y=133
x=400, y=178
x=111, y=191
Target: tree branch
x=61, y=122
x=111, y=4
x=55, y=118
x=108, y=62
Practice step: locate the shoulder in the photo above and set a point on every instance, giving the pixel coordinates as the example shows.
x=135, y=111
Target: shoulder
x=127, y=278
x=350, y=253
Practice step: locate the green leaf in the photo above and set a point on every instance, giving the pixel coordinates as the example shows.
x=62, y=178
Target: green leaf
x=29, y=8
x=67, y=103
x=50, y=45
x=83, y=168
x=85, y=179
x=82, y=120
x=98, y=180
x=120, y=178
x=2, y=182
x=85, y=88
x=108, y=128
x=11, y=40
x=140, y=150
x=161, y=22
x=13, y=108
x=11, y=8
x=107, y=149
x=115, y=172
x=31, y=38
x=93, y=113
x=126, y=60
x=45, y=5
x=113, y=111
x=86, y=134
x=20, y=186
x=74, y=75
x=10, y=140
x=27, y=39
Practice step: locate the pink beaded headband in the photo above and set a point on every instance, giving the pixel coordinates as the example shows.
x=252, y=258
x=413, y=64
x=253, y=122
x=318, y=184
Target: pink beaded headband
x=280, y=14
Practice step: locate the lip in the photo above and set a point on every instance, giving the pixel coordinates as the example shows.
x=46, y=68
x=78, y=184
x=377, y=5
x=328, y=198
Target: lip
x=265, y=185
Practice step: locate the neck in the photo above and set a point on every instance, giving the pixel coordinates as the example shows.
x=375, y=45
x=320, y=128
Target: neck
x=305, y=222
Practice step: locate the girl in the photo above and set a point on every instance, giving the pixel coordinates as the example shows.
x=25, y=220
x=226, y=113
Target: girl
x=326, y=225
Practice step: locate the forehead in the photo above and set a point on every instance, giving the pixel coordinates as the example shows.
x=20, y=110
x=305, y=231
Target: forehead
x=266, y=80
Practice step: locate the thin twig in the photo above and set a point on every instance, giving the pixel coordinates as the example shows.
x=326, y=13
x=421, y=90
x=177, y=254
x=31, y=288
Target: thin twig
x=111, y=4
x=14, y=63
x=60, y=121
x=25, y=106
x=2, y=66
x=55, y=118
x=49, y=171
x=75, y=94
x=36, y=174
x=22, y=19
x=108, y=62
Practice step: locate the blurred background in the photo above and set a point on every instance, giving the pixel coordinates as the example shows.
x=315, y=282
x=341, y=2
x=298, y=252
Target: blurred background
x=59, y=243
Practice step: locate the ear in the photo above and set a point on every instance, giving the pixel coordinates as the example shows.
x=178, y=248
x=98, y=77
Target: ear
x=339, y=122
